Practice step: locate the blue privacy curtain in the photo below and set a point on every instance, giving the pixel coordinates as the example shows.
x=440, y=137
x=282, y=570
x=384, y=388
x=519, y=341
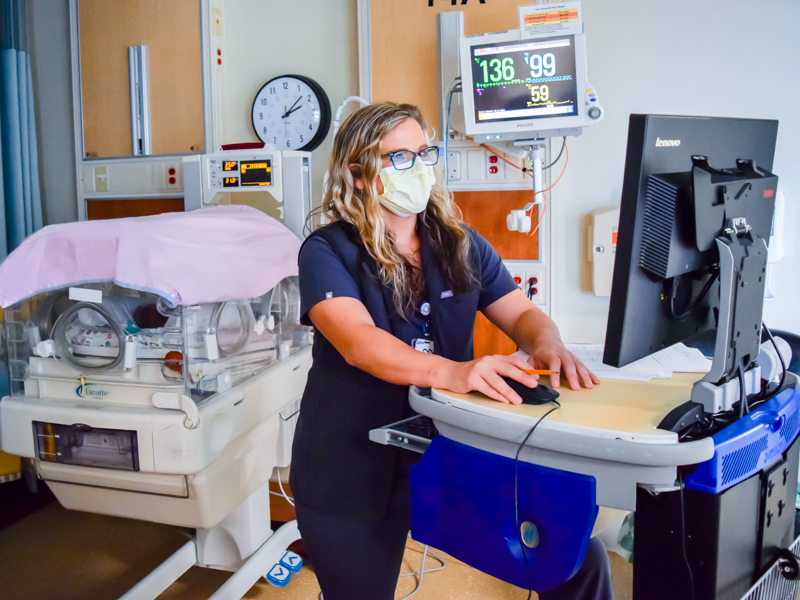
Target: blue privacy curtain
x=20, y=199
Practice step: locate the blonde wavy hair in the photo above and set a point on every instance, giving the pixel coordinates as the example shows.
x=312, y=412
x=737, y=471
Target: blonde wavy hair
x=356, y=148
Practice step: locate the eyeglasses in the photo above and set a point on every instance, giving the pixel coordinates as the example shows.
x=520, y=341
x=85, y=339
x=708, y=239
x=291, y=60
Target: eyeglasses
x=404, y=159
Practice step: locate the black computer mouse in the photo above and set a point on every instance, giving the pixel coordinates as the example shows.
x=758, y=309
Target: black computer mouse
x=541, y=394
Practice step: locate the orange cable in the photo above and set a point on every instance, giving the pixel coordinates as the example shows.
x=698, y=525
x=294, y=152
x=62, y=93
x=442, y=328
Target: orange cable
x=566, y=161
x=539, y=221
x=500, y=155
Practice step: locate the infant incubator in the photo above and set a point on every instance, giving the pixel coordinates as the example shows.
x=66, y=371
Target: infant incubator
x=165, y=392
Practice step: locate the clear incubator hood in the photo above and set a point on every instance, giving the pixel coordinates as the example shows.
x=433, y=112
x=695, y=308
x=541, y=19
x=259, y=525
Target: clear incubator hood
x=105, y=345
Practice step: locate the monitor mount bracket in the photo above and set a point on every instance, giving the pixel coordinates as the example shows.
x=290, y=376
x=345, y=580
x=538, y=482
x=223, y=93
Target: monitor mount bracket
x=742, y=279
x=742, y=267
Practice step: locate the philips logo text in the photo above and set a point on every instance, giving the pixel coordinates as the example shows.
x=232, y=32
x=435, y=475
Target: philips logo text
x=88, y=390
x=661, y=143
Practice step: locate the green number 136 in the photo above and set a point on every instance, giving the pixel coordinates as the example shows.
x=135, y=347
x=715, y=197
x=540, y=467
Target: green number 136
x=496, y=70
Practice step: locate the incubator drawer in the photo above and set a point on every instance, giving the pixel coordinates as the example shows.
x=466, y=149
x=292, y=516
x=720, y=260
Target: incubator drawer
x=95, y=481
x=80, y=444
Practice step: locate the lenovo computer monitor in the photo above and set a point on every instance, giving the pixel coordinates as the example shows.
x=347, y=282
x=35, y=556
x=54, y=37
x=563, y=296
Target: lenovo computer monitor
x=684, y=178
x=518, y=88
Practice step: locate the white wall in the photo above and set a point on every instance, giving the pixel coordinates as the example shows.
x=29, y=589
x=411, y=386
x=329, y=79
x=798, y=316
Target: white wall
x=728, y=58
x=48, y=29
x=317, y=39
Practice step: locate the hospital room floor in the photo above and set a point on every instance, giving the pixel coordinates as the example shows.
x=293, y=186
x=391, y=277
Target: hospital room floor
x=61, y=554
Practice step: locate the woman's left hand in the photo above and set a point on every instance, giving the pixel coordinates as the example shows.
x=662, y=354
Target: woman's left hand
x=550, y=353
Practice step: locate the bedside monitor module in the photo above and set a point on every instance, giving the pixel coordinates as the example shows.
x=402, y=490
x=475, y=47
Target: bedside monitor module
x=517, y=88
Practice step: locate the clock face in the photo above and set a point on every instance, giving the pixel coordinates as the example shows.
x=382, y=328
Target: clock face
x=291, y=112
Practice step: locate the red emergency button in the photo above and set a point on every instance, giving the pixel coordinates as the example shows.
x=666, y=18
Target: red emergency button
x=492, y=159
x=492, y=170
x=171, y=171
x=172, y=181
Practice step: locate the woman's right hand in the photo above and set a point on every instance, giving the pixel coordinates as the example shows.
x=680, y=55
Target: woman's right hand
x=485, y=374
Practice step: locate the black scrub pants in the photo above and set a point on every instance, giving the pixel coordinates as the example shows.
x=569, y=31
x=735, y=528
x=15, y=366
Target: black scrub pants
x=360, y=560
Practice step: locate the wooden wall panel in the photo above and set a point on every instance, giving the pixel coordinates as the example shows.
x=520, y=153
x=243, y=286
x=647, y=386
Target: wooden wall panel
x=486, y=213
x=137, y=207
x=488, y=339
x=171, y=32
x=405, y=53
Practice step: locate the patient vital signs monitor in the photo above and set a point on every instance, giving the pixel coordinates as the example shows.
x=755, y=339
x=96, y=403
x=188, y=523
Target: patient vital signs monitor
x=519, y=88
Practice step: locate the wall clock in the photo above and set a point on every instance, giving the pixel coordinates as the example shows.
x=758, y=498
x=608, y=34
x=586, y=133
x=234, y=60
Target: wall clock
x=292, y=112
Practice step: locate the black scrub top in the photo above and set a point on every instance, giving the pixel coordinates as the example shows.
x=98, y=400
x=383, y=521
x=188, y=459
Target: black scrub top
x=323, y=275
x=336, y=469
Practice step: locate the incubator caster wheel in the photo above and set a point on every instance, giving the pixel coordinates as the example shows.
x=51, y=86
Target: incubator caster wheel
x=788, y=564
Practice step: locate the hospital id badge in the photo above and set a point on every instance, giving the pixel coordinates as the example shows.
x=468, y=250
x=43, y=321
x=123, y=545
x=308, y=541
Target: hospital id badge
x=423, y=345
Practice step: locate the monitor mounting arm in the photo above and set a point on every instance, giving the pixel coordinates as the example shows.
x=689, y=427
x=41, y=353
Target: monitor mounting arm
x=742, y=264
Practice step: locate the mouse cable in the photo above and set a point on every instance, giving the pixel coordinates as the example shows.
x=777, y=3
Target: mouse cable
x=516, y=491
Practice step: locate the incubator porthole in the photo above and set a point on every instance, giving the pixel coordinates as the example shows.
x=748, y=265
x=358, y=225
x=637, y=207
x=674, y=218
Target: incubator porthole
x=87, y=336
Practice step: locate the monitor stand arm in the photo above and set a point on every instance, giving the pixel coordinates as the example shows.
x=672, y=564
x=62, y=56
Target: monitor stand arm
x=743, y=267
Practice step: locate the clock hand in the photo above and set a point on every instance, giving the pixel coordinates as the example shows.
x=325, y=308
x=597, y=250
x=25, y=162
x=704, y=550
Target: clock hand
x=293, y=110
x=292, y=107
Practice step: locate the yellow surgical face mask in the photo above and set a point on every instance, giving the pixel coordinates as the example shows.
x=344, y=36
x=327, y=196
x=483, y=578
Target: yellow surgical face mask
x=406, y=192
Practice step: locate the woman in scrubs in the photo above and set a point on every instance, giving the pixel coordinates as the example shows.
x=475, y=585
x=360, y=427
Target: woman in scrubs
x=392, y=287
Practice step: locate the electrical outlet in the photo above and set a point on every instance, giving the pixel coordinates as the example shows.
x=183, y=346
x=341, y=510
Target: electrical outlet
x=519, y=278
x=173, y=176
x=517, y=270
x=494, y=167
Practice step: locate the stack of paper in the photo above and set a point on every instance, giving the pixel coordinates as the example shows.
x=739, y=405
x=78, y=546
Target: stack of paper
x=661, y=365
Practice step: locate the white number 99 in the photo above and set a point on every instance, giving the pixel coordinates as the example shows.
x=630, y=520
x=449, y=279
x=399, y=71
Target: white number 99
x=549, y=64
x=536, y=65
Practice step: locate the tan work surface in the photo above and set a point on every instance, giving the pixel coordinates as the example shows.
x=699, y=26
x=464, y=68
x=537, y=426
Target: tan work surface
x=634, y=407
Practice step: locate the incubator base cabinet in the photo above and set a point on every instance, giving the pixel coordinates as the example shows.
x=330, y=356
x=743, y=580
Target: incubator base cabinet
x=133, y=404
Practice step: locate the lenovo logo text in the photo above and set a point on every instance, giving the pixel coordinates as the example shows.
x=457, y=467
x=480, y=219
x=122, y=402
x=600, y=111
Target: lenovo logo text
x=663, y=143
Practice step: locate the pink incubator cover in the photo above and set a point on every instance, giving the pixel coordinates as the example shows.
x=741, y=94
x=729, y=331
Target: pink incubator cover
x=208, y=255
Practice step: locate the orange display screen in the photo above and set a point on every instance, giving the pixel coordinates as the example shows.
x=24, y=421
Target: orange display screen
x=257, y=172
